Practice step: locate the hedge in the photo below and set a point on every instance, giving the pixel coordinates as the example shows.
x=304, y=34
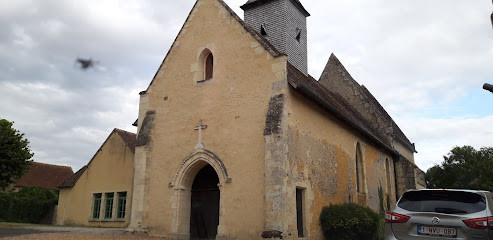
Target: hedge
x=29, y=205
x=350, y=221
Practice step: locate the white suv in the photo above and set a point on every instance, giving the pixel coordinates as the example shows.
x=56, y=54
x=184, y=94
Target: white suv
x=441, y=214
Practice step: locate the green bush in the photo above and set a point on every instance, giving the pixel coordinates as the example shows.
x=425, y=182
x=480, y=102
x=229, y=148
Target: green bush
x=28, y=205
x=350, y=221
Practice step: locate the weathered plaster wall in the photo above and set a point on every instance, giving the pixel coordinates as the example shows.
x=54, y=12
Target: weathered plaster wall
x=321, y=157
x=409, y=176
x=233, y=105
x=109, y=171
x=405, y=152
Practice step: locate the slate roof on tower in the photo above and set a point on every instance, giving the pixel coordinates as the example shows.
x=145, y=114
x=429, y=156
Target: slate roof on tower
x=253, y=3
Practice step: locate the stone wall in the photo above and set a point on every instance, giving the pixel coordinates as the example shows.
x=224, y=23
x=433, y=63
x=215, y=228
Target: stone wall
x=321, y=156
x=409, y=176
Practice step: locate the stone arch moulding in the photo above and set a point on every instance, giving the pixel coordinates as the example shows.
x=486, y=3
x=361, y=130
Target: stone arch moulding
x=199, y=158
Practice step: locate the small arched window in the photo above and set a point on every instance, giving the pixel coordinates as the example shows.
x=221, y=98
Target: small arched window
x=205, y=67
x=360, y=172
x=209, y=66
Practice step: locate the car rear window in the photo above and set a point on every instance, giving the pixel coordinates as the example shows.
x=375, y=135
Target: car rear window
x=449, y=202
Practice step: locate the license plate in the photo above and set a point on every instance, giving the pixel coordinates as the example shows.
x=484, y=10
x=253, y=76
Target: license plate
x=437, y=231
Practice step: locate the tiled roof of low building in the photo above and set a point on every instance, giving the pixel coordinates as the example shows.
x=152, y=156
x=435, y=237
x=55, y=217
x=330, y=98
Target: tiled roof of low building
x=44, y=175
x=70, y=182
x=128, y=137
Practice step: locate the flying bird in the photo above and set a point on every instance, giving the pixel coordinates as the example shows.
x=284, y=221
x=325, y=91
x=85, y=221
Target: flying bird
x=85, y=64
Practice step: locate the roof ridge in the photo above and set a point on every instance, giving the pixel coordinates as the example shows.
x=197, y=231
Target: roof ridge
x=48, y=164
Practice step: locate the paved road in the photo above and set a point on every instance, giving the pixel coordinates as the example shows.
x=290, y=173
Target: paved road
x=18, y=231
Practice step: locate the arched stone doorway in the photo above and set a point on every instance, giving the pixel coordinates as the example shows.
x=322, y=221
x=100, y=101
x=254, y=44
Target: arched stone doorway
x=184, y=183
x=204, y=210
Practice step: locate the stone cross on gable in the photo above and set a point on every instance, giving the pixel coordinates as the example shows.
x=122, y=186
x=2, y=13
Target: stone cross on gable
x=200, y=145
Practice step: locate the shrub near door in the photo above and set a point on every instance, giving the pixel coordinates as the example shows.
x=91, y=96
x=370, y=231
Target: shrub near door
x=350, y=221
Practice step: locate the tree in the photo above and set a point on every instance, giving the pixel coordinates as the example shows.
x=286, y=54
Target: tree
x=463, y=168
x=15, y=154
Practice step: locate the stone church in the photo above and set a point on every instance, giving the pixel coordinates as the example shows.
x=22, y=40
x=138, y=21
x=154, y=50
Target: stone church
x=235, y=140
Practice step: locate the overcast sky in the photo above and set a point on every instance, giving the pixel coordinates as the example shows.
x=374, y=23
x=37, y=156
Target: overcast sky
x=424, y=60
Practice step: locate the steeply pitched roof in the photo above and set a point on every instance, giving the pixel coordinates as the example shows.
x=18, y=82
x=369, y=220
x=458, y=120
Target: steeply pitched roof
x=336, y=78
x=335, y=104
x=397, y=132
x=253, y=3
x=127, y=137
x=44, y=176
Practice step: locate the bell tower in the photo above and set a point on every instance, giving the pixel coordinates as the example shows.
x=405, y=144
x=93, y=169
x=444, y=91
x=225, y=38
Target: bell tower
x=283, y=24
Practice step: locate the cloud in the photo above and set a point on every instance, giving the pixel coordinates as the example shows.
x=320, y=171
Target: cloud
x=420, y=59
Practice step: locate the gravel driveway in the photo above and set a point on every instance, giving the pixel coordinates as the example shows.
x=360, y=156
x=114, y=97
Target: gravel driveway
x=71, y=233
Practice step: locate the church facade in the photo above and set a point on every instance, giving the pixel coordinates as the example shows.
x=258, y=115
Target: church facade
x=235, y=140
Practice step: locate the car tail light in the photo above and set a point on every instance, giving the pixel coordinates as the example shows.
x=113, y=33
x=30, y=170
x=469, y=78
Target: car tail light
x=392, y=217
x=480, y=223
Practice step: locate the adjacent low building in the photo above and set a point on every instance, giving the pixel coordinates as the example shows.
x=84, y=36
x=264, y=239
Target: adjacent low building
x=98, y=194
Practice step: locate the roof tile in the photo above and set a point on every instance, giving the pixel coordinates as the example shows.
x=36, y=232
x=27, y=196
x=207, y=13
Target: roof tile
x=44, y=175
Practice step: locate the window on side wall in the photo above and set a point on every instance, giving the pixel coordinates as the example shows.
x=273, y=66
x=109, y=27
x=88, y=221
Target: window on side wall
x=360, y=171
x=299, y=211
x=387, y=176
x=108, y=209
x=122, y=203
x=96, y=206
